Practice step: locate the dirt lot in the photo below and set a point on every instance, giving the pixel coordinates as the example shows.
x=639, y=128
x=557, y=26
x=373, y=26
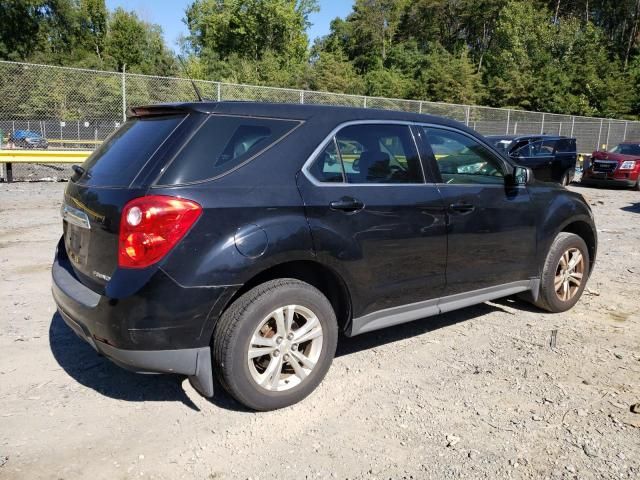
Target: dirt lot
x=477, y=393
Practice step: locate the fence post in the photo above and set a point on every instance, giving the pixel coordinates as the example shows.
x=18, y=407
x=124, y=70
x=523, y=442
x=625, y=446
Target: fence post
x=124, y=93
x=468, y=115
x=508, y=121
x=542, y=126
x=573, y=124
x=599, y=136
x=302, y=96
x=365, y=102
x=608, y=131
x=420, y=107
x=624, y=138
x=218, y=92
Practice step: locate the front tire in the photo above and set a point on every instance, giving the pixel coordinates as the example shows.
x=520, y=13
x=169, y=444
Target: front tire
x=275, y=344
x=565, y=273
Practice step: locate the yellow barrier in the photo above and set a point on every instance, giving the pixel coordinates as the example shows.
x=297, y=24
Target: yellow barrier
x=41, y=156
x=44, y=156
x=74, y=142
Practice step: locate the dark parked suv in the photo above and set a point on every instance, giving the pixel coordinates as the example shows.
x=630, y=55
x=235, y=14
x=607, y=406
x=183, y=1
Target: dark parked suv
x=552, y=158
x=239, y=239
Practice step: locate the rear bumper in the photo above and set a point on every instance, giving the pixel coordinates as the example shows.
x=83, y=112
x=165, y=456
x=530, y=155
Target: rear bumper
x=194, y=362
x=161, y=327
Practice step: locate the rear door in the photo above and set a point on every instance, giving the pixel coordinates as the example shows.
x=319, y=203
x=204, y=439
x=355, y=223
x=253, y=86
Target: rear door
x=373, y=218
x=491, y=228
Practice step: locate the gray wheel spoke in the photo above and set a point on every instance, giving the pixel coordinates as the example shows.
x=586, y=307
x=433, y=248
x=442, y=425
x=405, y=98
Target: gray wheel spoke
x=308, y=331
x=300, y=373
x=260, y=341
x=271, y=375
x=574, y=280
x=281, y=328
x=260, y=351
x=304, y=360
x=291, y=310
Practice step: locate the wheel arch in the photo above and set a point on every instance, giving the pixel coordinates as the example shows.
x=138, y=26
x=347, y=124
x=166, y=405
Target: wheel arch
x=322, y=277
x=585, y=231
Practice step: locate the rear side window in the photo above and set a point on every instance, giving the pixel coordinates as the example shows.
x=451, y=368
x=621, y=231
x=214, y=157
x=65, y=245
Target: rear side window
x=221, y=144
x=118, y=160
x=566, y=145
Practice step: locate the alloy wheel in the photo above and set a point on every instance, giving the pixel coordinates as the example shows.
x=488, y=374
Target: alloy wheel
x=285, y=348
x=569, y=274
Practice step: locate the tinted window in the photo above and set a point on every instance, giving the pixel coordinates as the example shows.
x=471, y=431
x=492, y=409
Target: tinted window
x=566, y=145
x=462, y=160
x=374, y=153
x=543, y=148
x=117, y=161
x=627, y=149
x=328, y=166
x=222, y=143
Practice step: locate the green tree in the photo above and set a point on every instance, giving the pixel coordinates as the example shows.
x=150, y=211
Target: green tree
x=249, y=28
x=332, y=72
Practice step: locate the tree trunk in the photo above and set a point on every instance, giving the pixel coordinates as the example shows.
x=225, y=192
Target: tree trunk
x=632, y=34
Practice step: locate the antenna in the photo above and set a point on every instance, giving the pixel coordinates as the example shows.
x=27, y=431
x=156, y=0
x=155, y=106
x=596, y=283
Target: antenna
x=195, y=87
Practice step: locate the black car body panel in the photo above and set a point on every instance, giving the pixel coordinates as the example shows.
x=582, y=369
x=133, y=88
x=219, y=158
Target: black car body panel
x=551, y=157
x=404, y=251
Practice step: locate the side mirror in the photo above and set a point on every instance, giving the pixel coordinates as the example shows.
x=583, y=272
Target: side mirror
x=522, y=176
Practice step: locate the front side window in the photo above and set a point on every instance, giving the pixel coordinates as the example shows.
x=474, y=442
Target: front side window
x=378, y=153
x=462, y=160
x=222, y=144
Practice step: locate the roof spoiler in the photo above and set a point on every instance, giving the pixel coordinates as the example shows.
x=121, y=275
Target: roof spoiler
x=155, y=110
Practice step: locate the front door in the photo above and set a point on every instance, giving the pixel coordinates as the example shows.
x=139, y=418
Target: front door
x=491, y=227
x=373, y=219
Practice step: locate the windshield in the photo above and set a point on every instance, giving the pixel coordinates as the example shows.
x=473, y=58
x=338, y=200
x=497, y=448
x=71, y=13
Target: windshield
x=627, y=149
x=502, y=144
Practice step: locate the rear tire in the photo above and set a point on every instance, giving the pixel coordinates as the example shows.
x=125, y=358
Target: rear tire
x=565, y=273
x=636, y=187
x=275, y=344
x=565, y=179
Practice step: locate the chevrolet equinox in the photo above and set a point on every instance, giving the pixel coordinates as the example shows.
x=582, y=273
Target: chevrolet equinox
x=239, y=239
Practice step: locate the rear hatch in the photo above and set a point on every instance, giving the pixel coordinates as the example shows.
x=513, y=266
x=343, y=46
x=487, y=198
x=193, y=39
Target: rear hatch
x=118, y=171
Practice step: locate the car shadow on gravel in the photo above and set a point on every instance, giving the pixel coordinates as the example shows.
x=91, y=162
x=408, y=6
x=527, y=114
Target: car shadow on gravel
x=633, y=208
x=88, y=368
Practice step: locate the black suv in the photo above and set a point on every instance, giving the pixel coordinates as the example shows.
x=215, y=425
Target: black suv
x=552, y=158
x=239, y=239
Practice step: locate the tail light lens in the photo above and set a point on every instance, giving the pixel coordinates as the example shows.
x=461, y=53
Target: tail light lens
x=151, y=226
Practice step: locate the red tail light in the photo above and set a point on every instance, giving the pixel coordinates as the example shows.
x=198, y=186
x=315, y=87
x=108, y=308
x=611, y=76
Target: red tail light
x=151, y=226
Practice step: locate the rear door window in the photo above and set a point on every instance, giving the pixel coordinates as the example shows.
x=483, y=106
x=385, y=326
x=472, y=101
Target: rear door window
x=378, y=153
x=222, y=144
x=118, y=160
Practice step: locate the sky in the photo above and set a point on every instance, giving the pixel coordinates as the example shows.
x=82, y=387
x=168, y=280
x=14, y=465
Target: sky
x=169, y=14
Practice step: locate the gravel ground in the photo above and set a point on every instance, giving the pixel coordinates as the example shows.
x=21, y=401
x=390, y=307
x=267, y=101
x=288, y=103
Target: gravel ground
x=478, y=393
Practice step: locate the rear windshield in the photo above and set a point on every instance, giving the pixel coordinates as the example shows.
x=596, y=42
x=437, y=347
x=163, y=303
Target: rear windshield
x=222, y=144
x=118, y=160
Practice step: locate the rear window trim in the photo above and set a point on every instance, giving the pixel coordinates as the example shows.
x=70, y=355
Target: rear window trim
x=208, y=116
x=142, y=168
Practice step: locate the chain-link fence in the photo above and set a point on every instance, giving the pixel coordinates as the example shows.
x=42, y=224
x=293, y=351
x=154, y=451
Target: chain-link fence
x=78, y=108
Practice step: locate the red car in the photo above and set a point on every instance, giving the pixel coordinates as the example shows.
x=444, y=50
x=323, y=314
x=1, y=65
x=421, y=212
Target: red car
x=619, y=167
